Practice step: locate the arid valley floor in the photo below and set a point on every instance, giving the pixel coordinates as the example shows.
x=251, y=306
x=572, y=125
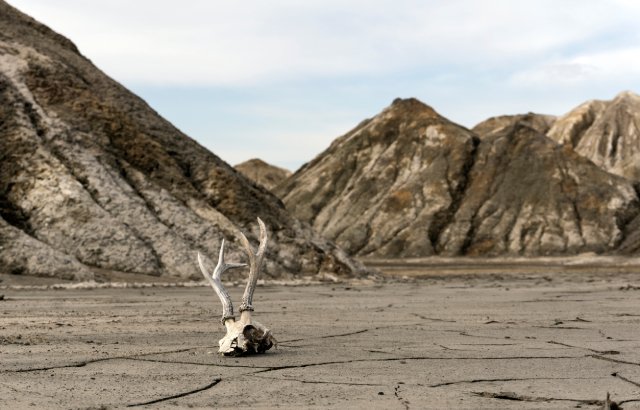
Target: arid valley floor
x=508, y=336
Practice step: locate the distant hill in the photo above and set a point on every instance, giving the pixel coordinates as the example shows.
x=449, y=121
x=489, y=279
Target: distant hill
x=410, y=183
x=383, y=188
x=539, y=122
x=606, y=132
x=530, y=196
x=93, y=181
x=258, y=171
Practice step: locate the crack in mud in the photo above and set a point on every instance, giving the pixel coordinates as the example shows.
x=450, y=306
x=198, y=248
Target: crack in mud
x=264, y=369
x=513, y=379
x=90, y=361
x=609, y=359
x=398, y=325
x=384, y=352
x=517, y=397
x=561, y=327
x=193, y=363
x=357, y=332
x=177, y=396
x=292, y=379
x=345, y=334
x=449, y=348
x=464, y=333
x=612, y=352
x=396, y=359
x=433, y=319
x=404, y=402
x=579, y=319
x=490, y=344
x=617, y=375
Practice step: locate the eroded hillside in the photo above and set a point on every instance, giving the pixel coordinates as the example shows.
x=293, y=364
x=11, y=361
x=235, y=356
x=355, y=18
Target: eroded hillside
x=93, y=180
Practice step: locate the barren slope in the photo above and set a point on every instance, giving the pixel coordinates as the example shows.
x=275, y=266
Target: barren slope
x=93, y=180
x=528, y=195
x=539, y=122
x=258, y=171
x=384, y=188
x=411, y=183
x=606, y=132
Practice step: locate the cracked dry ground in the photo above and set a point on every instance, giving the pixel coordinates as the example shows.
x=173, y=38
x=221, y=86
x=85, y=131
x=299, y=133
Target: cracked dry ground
x=474, y=342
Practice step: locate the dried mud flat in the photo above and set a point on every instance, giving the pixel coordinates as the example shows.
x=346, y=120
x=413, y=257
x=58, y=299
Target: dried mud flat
x=552, y=340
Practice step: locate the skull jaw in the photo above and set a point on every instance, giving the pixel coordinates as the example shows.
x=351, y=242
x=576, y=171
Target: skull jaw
x=245, y=338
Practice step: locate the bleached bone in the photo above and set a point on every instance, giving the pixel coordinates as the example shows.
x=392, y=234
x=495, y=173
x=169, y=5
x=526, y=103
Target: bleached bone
x=244, y=336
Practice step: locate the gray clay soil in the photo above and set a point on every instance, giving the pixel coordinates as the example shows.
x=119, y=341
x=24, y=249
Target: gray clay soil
x=479, y=341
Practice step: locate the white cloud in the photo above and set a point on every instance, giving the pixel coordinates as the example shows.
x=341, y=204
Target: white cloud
x=298, y=73
x=553, y=74
x=621, y=62
x=254, y=41
x=618, y=65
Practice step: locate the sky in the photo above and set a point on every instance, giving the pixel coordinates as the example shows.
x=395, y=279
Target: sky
x=280, y=79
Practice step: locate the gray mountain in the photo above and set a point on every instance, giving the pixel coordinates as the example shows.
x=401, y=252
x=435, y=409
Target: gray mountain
x=528, y=195
x=410, y=183
x=258, y=171
x=92, y=180
x=539, y=122
x=606, y=132
x=386, y=187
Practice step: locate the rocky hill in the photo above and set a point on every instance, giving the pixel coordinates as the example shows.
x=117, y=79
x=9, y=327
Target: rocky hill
x=606, y=132
x=385, y=187
x=92, y=180
x=409, y=183
x=530, y=196
x=539, y=122
x=258, y=171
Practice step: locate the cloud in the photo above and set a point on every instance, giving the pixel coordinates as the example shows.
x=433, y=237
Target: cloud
x=588, y=68
x=553, y=74
x=621, y=62
x=228, y=43
x=280, y=79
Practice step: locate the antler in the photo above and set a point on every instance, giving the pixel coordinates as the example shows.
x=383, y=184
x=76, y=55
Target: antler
x=216, y=283
x=244, y=336
x=255, y=263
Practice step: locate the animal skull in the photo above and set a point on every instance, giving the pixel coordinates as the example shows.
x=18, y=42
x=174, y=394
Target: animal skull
x=244, y=336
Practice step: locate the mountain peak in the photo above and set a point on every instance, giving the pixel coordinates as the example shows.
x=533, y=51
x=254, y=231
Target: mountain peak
x=383, y=188
x=262, y=172
x=627, y=95
x=538, y=122
x=606, y=132
x=16, y=23
x=412, y=106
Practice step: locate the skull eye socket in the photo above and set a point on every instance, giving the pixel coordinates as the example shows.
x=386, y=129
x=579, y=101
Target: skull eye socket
x=252, y=333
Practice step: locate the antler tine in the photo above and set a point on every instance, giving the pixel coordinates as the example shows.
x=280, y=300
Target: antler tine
x=255, y=263
x=216, y=283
